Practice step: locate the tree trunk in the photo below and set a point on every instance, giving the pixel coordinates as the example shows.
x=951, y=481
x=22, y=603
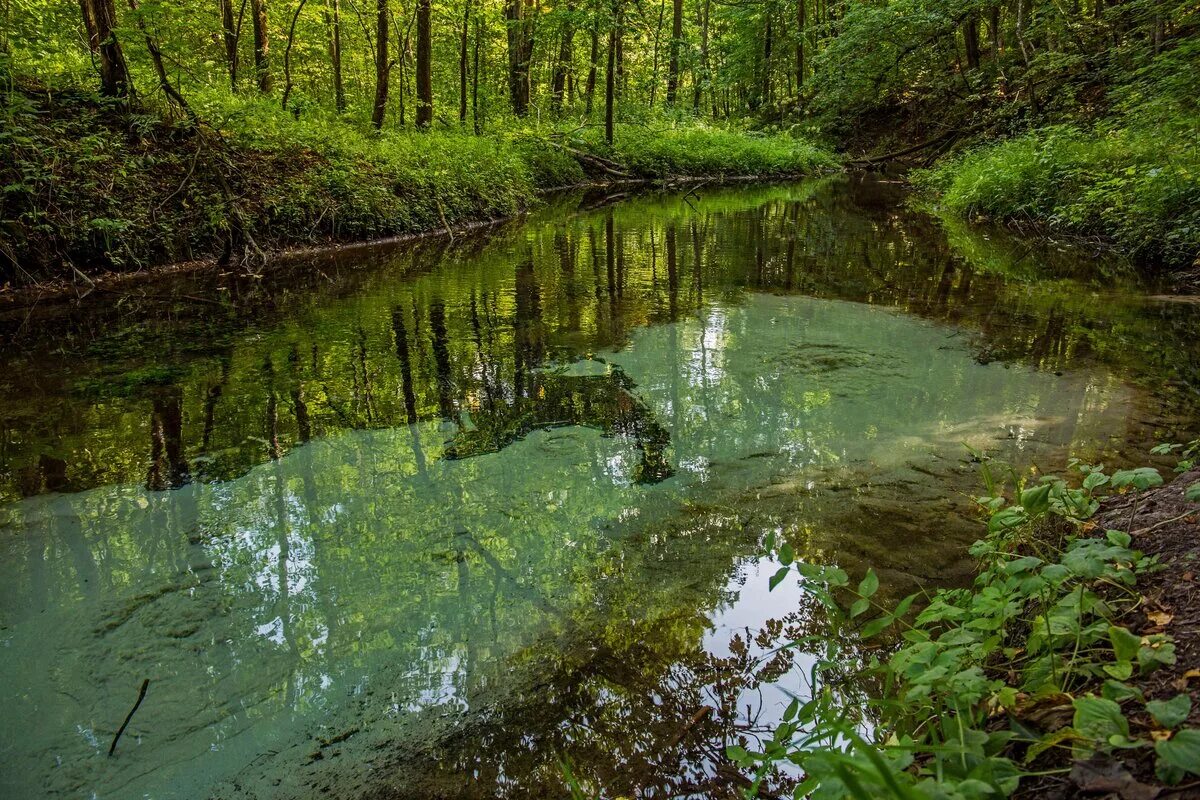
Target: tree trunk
x=477, y=120
x=562, y=67
x=994, y=29
x=424, y=66
x=262, y=44
x=610, y=78
x=382, y=66
x=971, y=38
x=662, y=7
x=334, y=22
x=705, y=70
x=590, y=86
x=462, y=63
x=768, y=44
x=100, y=20
x=801, y=26
x=519, y=16
x=676, y=43
x=287, y=57
x=156, y=59
x=230, y=37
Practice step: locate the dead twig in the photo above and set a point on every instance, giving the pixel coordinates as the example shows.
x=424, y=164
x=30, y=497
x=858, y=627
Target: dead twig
x=141, y=696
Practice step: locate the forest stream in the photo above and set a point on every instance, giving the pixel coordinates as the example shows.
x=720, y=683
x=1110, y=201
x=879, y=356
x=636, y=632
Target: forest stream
x=455, y=518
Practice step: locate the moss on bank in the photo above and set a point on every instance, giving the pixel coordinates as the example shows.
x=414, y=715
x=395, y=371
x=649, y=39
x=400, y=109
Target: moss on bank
x=91, y=186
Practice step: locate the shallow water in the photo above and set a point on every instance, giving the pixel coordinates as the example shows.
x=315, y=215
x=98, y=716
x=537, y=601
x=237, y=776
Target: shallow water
x=426, y=522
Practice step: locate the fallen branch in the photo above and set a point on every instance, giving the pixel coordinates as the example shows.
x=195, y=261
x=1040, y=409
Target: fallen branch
x=605, y=165
x=141, y=696
x=916, y=147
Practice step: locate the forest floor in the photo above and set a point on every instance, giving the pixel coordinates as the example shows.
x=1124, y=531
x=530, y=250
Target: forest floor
x=1165, y=525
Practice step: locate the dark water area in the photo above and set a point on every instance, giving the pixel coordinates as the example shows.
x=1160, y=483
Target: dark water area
x=435, y=519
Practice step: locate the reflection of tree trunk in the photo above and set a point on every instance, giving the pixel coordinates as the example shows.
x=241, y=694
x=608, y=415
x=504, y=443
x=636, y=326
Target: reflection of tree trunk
x=283, y=605
x=672, y=274
x=441, y=359
x=526, y=333
x=70, y=530
x=610, y=258
x=402, y=355
x=168, y=465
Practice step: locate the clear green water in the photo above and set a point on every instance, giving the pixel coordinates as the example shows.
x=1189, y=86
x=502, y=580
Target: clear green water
x=421, y=522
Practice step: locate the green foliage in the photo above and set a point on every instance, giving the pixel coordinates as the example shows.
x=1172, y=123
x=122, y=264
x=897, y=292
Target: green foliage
x=985, y=682
x=1118, y=183
x=697, y=150
x=98, y=187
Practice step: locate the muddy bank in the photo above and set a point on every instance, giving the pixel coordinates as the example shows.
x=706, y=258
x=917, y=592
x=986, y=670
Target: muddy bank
x=592, y=194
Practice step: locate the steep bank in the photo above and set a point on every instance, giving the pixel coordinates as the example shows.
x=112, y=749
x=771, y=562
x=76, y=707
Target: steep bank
x=92, y=188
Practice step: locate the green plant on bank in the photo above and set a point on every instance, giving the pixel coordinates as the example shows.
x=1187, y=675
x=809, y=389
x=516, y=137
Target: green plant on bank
x=986, y=681
x=89, y=184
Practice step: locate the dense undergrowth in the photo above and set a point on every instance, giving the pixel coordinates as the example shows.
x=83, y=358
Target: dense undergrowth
x=89, y=185
x=1028, y=673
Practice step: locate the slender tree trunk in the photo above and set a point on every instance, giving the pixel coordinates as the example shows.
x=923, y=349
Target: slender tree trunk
x=156, y=59
x=519, y=16
x=287, y=57
x=620, y=87
x=562, y=67
x=100, y=20
x=610, y=78
x=705, y=70
x=662, y=8
x=994, y=30
x=768, y=44
x=801, y=32
x=424, y=65
x=262, y=44
x=382, y=64
x=462, y=63
x=476, y=119
x=230, y=38
x=590, y=86
x=676, y=43
x=971, y=39
x=334, y=22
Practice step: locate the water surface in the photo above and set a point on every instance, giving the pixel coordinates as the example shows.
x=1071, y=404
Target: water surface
x=428, y=521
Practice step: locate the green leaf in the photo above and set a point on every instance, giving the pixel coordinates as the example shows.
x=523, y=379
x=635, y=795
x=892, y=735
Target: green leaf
x=1125, y=644
x=779, y=575
x=737, y=753
x=1193, y=493
x=1121, y=670
x=1115, y=690
x=1035, y=501
x=1181, y=751
x=1094, y=480
x=1140, y=478
x=876, y=625
x=903, y=606
x=786, y=554
x=860, y=606
x=869, y=585
x=1118, y=538
x=1170, y=713
x=1099, y=718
